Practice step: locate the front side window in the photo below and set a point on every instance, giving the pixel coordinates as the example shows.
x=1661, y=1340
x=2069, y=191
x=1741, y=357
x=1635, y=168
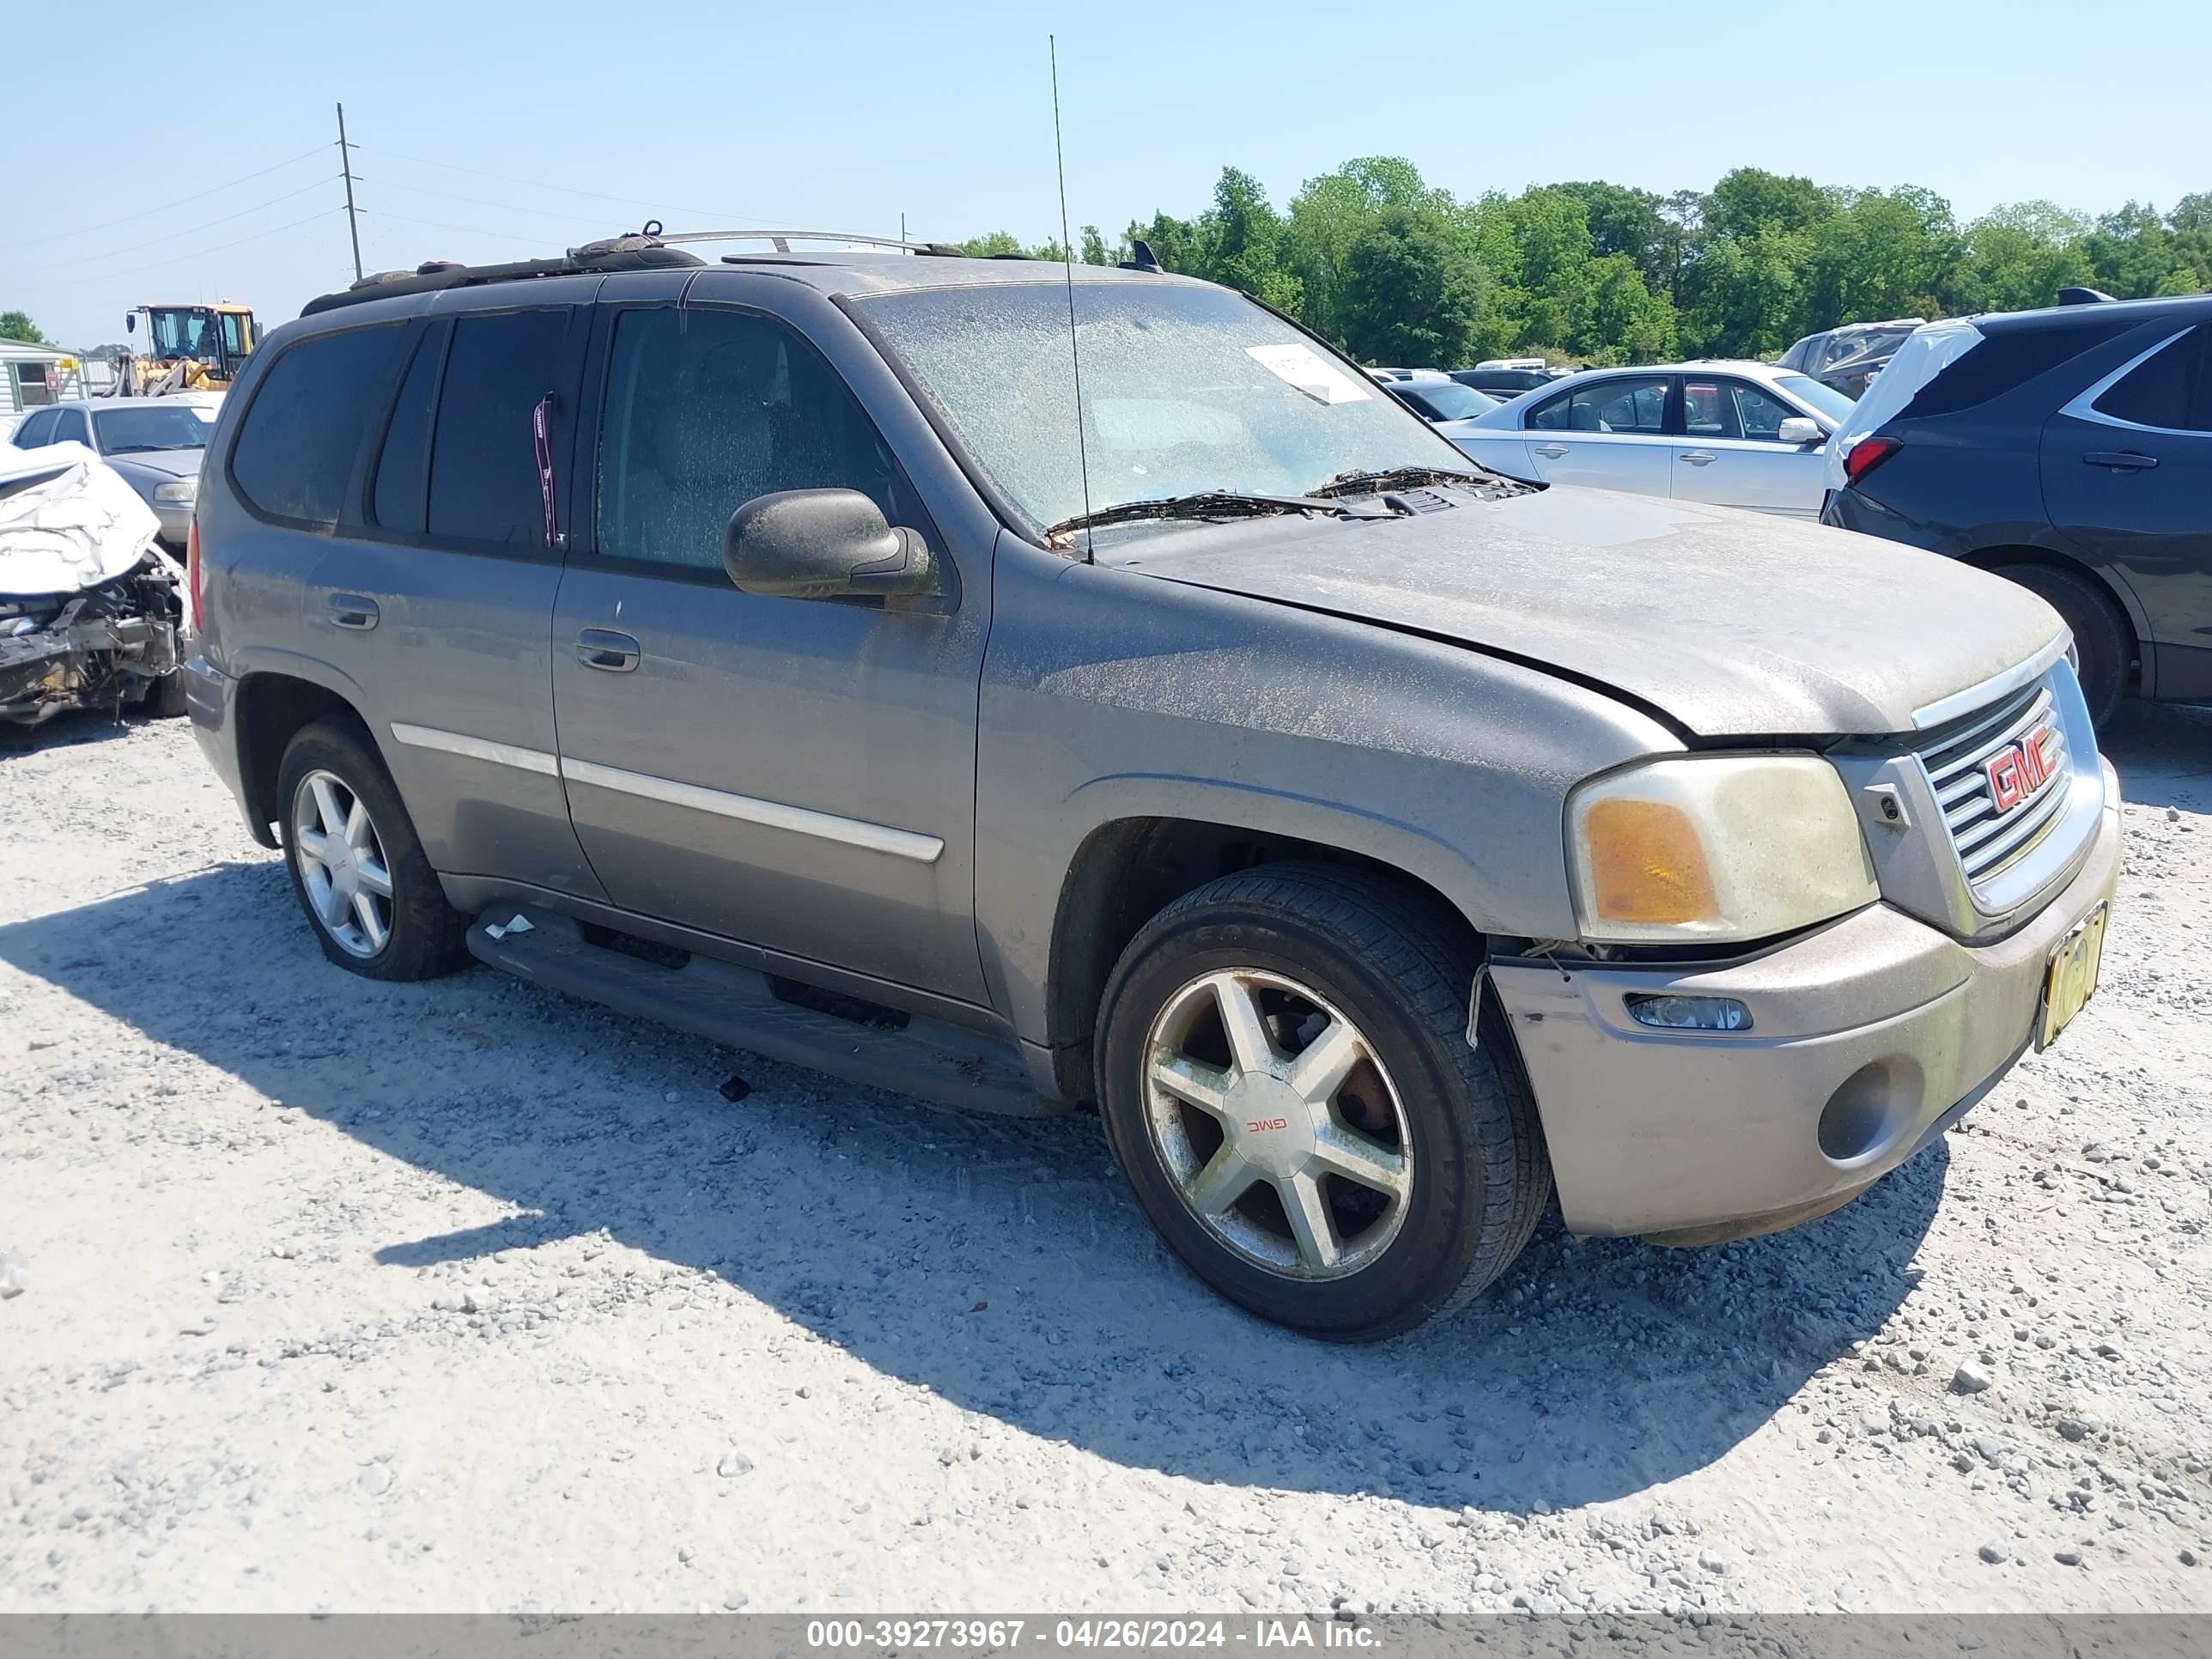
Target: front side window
x=1185, y=389
x=1732, y=408
x=233, y=334
x=707, y=409
x=297, y=448
x=70, y=427
x=484, y=487
x=2172, y=389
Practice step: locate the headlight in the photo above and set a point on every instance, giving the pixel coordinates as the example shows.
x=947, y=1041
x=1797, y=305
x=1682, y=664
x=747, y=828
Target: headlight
x=1715, y=847
x=177, y=491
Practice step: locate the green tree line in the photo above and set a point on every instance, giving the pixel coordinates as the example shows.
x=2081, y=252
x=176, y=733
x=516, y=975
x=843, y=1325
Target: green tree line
x=1395, y=269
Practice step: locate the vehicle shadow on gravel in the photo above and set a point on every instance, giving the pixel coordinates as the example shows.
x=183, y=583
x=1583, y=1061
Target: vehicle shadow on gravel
x=995, y=1262
x=2163, y=755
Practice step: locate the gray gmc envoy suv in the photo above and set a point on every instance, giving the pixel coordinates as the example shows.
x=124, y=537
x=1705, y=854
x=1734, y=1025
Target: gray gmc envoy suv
x=768, y=647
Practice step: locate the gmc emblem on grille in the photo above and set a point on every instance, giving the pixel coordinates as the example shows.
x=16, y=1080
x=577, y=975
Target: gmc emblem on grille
x=2018, y=769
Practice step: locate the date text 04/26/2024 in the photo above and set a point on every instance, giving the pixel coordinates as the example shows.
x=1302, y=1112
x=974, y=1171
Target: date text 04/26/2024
x=1000, y=1635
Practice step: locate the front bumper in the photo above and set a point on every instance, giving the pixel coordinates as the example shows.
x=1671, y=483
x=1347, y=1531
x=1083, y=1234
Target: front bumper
x=1711, y=1135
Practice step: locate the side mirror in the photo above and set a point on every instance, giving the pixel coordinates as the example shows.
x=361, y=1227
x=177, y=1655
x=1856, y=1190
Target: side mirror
x=129, y=322
x=824, y=544
x=1800, y=429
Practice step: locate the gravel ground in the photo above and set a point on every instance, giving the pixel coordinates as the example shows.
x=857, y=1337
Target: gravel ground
x=469, y=1297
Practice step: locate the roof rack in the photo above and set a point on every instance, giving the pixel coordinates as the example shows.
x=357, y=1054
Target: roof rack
x=648, y=248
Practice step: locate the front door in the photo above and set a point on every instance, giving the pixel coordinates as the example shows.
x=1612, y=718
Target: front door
x=796, y=774
x=1609, y=435
x=2127, y=474
x=1731, y=452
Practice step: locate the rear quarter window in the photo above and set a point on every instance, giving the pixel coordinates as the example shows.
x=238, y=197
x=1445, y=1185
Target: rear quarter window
x=2007, y=359
x=295, y=449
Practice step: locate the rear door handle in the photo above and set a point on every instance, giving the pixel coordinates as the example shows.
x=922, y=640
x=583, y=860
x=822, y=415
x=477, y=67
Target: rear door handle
x=2122, y=460
x=1698, y=457
x=603, y=648
x=1551, y=451
x=353, y=610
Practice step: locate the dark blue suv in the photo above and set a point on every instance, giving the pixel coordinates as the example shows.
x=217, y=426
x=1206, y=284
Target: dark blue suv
x=2070, y=450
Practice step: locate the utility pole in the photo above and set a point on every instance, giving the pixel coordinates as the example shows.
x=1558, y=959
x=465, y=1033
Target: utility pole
x=345, y=164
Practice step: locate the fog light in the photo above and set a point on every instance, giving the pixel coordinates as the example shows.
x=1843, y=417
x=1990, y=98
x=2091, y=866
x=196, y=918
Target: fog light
x=1690, y=1013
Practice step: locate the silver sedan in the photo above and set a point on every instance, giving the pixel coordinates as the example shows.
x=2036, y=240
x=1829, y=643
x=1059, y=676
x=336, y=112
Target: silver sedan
x=155, y=443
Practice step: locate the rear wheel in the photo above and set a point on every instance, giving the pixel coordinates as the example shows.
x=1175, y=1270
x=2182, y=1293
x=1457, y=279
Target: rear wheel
x=357, y=867
x=2102, y=639
x=1287, y=1085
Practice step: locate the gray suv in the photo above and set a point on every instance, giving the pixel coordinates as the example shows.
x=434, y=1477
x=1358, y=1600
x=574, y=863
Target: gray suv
x=1380, y=846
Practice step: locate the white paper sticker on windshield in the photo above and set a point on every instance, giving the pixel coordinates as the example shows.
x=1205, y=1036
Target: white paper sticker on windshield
x=1301, y=366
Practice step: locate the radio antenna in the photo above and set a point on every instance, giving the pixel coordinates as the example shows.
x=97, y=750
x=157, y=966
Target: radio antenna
x=1067, y=266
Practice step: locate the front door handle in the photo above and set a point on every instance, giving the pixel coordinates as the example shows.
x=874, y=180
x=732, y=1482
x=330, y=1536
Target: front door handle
x=1551, y=451
x=354, y=611
x=603, y=648
x=2122, y=460
x=1698, y=457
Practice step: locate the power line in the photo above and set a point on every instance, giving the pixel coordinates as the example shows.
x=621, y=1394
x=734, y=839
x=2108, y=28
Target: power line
x=440, y=224
x=159, y=241
x=182, y=258
x=539, y=184
x=132, y=218
x=474, y=201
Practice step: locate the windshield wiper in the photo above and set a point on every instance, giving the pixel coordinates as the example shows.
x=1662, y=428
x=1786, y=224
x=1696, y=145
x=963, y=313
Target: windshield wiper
x=1204, y=504
x=1357, y=483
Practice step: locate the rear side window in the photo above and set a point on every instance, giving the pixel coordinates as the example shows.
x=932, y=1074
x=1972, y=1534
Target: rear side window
x=2009, y=358
x=297, y=446
x=2171, y=389
x=70, y=427
x=707, y=409
x=33, y=432
x=483, y=463
x=403, y=469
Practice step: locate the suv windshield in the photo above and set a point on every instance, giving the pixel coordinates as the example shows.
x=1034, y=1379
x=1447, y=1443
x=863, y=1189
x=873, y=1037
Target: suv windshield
x=123, y=430
x=1185, y=390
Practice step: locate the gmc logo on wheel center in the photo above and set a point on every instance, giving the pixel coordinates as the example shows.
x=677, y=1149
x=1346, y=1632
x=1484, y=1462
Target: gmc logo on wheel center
x=1260, y=1126
x=2018, y=770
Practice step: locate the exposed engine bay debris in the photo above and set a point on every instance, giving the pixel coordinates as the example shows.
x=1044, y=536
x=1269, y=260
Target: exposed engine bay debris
x=91, y=605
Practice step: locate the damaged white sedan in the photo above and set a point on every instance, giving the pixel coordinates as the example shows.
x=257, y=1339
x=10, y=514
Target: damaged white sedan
x=91, y=606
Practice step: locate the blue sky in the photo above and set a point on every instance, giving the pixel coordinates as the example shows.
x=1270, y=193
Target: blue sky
x=849, y=115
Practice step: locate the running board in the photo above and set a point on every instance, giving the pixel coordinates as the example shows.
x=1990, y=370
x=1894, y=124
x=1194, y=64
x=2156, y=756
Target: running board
x=735, y=1007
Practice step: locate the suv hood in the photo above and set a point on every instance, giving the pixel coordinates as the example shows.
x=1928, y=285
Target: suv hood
x=1730, y=623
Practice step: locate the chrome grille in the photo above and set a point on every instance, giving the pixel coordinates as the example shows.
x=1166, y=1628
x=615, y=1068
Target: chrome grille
x=1987, y=841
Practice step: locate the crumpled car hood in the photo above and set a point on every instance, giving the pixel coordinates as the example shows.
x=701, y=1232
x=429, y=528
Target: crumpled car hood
x=1730, y=623
x=66, y=521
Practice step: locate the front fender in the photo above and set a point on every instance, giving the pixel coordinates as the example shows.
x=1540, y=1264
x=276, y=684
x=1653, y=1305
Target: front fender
x=1109, y=696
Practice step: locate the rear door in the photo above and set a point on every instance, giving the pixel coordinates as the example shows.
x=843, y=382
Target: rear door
x=2127, y=476
x=1731, y=452
x=798, y=774
x=1607, y=434
x=436, y=598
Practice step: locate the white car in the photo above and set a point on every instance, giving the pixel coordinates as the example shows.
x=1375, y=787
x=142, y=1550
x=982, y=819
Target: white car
x=1733, y=434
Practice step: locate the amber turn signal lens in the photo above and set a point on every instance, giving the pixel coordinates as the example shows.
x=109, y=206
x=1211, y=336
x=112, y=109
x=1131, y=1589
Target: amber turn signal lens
x=1646, y=864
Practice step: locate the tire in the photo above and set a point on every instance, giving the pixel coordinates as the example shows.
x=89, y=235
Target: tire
x=329, y=765
x=2102, y=637
x=165, y=698
x=1454, y=1127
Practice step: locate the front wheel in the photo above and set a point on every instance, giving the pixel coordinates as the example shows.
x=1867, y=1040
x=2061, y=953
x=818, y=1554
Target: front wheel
x=1286, y=1082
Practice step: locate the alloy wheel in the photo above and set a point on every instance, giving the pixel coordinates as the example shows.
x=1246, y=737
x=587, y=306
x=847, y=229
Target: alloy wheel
x=342, y=864
x=1278, y=1123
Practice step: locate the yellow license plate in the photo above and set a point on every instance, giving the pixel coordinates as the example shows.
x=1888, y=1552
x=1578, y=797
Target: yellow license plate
x=2070, y=978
